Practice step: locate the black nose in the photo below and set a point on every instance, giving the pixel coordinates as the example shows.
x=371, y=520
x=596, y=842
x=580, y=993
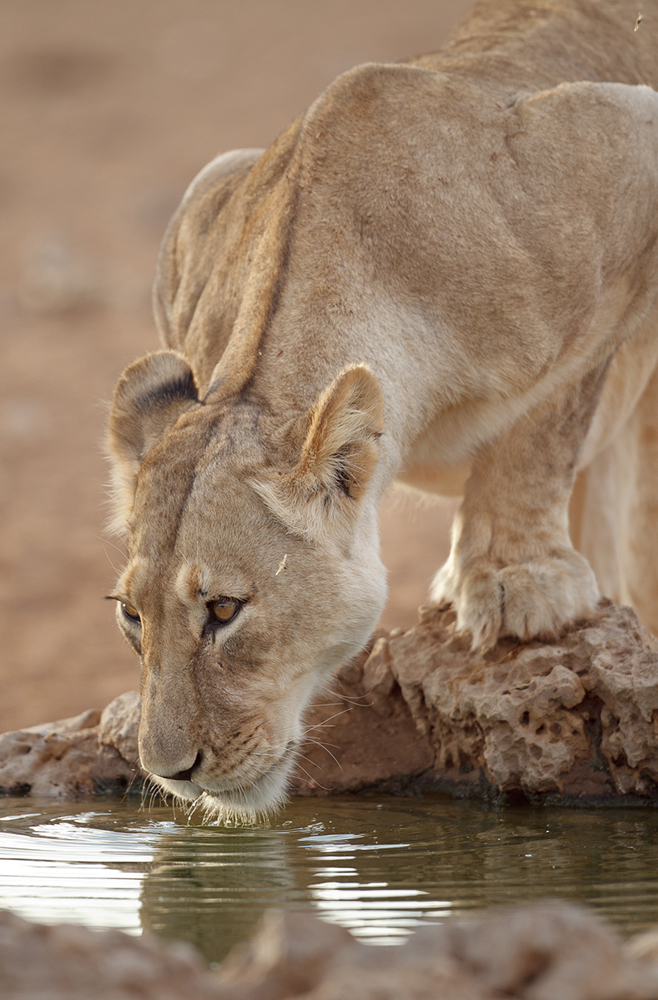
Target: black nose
x=185, y=775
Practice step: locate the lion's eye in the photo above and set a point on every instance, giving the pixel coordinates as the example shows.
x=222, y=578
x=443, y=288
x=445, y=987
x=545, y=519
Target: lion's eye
x=224, y=610
x=130, y=612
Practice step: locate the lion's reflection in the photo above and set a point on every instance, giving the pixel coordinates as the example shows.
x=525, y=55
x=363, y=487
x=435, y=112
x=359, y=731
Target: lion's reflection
x=381, y=871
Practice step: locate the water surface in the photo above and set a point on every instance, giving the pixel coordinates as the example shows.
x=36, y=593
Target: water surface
x=378, y=866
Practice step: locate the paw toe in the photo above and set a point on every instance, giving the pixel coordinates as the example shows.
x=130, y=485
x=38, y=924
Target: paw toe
x=533, y=600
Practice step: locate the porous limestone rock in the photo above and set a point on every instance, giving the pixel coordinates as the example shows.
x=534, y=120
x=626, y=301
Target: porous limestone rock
x=571, y=720
x=576, y=719
x=550, y=951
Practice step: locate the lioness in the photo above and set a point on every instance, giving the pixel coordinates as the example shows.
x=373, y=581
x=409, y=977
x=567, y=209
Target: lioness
x=447, y=267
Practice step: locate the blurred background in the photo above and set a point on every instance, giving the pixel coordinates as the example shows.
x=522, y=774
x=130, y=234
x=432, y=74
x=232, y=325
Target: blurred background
x=107, y=112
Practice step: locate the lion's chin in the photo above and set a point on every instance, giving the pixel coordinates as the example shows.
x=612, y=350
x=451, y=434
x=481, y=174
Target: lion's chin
x=240, y=804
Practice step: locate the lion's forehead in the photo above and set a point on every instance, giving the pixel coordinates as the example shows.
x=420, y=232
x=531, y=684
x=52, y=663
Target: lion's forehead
x=191, y=494
x=215, y=539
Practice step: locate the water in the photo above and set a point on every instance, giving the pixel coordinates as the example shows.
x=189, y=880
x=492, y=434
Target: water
x=378, y=866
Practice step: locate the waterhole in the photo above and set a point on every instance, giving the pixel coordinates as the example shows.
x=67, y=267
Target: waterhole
x=378, y=866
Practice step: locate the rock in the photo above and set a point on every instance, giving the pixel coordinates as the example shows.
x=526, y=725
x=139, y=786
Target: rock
x=568, y=720
x=66, y=727
x=550, y=951
x=644, y=945
x=74, y=963
x=572, y=720
x=119, y=725
x=362, y=735
x=78, y=756
x=290, y=954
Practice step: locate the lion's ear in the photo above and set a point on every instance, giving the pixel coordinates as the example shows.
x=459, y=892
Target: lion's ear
x=148, y=399
x=337, y=460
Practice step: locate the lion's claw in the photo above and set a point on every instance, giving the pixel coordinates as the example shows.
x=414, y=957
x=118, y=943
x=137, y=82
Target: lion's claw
x=530, y=600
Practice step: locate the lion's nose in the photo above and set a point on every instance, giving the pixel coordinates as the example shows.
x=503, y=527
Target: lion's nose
x=184, y=775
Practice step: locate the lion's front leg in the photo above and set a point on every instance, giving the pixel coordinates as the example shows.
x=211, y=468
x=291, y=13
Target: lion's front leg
x=512, y=569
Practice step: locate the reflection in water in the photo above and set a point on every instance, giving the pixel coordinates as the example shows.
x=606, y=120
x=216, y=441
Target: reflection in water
x=210, y=885
x=56, y=869
x=377, y=866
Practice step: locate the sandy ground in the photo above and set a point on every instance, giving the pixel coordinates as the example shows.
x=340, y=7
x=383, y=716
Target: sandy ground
x=108, y=110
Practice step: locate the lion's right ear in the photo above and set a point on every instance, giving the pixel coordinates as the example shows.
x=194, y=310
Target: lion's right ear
x=148, y=400
x=321, y=496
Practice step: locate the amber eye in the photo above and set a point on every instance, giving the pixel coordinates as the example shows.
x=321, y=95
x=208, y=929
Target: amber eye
x=130, y=612
x=224, y=610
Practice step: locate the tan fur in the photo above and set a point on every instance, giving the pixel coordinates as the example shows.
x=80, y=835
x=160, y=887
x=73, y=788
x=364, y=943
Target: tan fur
x=445, y=272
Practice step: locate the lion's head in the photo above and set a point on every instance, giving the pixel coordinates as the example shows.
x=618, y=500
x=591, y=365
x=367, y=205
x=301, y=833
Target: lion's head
x=253, y=571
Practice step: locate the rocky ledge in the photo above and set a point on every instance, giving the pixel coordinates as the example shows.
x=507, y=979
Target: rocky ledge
x=541, y=952
x=573, y=720
x=90, y=754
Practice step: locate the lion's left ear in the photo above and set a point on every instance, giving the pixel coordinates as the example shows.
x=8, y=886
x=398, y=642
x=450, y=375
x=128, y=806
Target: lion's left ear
x=337, y=459
x=148, y=399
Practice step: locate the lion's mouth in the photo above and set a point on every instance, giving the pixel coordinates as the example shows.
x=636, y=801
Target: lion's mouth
x=236, y=802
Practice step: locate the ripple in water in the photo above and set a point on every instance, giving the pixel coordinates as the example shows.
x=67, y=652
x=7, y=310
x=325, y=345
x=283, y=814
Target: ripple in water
x=378, y=866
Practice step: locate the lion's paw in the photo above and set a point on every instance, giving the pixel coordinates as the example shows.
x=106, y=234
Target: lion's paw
x=530, y=600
